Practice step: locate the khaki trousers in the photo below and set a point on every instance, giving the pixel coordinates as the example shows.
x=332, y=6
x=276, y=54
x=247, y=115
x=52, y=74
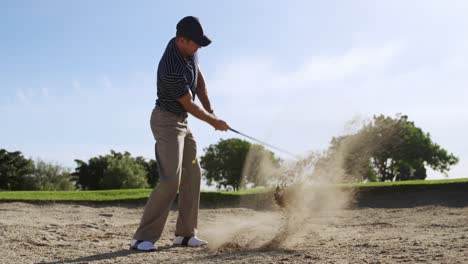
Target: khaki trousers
x=179, y=169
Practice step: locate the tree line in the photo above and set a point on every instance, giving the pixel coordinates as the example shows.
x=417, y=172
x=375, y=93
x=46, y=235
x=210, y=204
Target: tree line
x=385, y=149
x=112, y=171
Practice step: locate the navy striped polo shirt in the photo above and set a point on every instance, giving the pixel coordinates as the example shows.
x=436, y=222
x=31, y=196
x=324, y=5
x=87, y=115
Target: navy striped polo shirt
x=176, y=77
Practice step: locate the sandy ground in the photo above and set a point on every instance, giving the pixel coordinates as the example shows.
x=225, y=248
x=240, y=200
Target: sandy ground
x=68, y=233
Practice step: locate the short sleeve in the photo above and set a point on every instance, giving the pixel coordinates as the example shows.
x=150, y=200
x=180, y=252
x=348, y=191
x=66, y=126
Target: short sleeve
x=176, y=86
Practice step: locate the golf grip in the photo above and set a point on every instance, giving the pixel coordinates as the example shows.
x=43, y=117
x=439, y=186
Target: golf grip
x=264, y=143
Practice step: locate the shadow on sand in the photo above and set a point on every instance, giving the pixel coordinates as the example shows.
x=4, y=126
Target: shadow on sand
x=101, y=256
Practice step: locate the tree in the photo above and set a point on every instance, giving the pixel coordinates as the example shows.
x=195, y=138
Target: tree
x=19, y=173
x=388, y=149
x=88, y=175
x=152, y=170
x=124, y=172
x=410, y=154
x=114, y=171
x=15, y=171
x=51, y=177
x=223, y=163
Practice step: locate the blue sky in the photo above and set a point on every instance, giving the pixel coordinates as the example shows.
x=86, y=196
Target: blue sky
x=77, y=78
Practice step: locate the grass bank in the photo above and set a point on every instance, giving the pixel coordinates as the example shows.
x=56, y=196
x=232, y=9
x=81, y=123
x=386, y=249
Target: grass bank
x=207, y=197
x=408, y=183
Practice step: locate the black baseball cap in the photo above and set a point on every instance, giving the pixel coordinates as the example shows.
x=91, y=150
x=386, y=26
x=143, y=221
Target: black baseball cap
x=191, y=28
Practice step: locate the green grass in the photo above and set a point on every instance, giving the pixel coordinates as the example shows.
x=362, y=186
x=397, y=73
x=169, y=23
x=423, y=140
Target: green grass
x=403, y=183
x=79, y=196
x=142, y=194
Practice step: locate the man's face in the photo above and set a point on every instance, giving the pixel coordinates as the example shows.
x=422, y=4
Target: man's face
x=189, y=47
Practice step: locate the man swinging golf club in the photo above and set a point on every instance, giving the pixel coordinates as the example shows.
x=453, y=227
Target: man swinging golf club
x=179, y=81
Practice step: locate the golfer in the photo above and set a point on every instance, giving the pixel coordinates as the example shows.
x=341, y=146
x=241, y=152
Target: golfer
x=179, y=81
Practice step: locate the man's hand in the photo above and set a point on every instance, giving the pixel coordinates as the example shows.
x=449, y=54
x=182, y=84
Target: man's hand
x=219, y=124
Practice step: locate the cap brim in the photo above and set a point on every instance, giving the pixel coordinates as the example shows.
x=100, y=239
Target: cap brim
x=203, y=41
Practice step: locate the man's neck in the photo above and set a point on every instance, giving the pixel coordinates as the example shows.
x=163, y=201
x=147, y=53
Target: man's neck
x=179, y=48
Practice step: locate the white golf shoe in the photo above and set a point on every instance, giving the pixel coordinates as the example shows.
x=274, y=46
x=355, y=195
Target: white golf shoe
x=142, y=245
x=189, y=241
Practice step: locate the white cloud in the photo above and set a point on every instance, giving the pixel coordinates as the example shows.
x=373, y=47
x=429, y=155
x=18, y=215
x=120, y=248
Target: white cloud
x=45, y=92
x=251, y=78
x=356, y=61
x=106, y=82
x=76, y=85
x=24, y=97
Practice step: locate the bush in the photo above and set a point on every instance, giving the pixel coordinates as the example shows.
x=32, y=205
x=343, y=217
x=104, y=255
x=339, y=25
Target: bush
x=15, y=171
x=115, y=171
x=234, y=163
x=51, y=177
x=19, y=173
x=124, y=173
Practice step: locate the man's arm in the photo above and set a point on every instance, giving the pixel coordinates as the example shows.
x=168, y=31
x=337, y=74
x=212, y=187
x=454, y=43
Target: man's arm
x=202, y=93
x=191, y=107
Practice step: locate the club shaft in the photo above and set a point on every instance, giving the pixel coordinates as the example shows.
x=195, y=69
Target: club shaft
x=264, y=143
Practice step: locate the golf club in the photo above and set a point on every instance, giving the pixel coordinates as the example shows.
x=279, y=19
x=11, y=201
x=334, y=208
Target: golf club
x=266, y=144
